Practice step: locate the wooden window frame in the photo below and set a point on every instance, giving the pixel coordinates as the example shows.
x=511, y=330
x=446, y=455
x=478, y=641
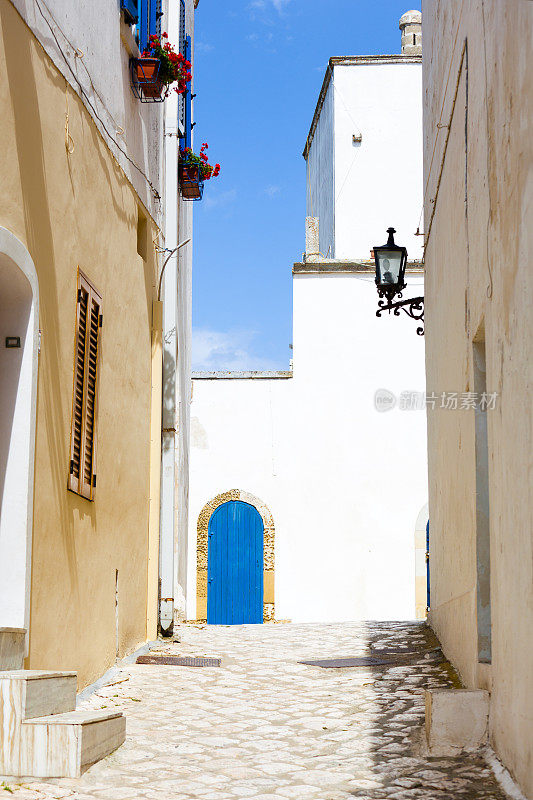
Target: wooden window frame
x=83, y=427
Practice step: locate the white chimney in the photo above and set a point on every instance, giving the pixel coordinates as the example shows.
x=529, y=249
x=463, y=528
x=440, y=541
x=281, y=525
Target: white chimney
x=411, y=28
x=311, y=239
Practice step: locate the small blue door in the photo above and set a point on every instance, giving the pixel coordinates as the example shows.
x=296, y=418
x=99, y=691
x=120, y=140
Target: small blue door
x=428, y=601
x=235, y=565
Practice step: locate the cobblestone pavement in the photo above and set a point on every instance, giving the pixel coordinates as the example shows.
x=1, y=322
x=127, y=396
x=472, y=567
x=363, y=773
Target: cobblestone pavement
x=264, y=726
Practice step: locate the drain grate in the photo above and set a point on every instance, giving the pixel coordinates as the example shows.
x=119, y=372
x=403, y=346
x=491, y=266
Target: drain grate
x=338, y=663
x=380, y=658
x=177, y=661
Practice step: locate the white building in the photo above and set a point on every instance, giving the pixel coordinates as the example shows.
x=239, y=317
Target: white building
x=339, y=487
x=363, y=151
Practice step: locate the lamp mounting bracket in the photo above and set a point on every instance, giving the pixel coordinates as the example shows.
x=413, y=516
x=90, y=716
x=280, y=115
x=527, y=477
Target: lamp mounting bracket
x=413, y=307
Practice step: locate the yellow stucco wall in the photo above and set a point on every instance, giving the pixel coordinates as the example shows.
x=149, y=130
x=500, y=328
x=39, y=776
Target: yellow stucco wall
x=478, y=278
x=72, y=210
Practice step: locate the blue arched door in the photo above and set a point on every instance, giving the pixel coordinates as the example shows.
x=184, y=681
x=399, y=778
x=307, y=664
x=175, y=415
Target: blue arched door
x=235, y=565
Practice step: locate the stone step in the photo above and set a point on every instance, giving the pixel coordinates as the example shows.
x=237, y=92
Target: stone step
x=27, y=693
x=12, y=648
x=63, y=745
x=41, y=733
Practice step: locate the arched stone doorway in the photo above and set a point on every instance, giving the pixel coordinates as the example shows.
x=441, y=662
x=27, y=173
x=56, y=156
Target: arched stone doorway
x=268, y=551
x=19, y=344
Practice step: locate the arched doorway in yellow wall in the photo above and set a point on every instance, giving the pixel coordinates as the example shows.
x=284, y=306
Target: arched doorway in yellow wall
x=19, y=344
x=202, y=551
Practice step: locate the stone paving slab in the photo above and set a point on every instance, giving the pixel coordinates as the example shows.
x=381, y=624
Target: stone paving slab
x=263, y=726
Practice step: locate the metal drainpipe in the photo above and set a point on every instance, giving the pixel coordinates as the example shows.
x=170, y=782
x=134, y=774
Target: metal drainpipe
x=169, y=281
x=168, y=286
x=170, y=408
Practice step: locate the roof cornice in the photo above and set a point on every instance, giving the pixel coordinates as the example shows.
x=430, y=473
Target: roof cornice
x=334, y=266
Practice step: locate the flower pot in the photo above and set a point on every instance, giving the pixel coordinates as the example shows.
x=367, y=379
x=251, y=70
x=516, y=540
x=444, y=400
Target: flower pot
x=191, y=185
x=147, y=77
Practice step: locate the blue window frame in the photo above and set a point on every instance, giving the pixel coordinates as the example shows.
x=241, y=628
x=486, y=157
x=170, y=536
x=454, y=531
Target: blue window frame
x=182, y=26
x=158, y=15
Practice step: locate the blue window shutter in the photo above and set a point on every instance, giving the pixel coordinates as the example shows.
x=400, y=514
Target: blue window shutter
x=181, y=98
x=152, y=17
x=149, y=21
x=188, y=98
x=143, y=24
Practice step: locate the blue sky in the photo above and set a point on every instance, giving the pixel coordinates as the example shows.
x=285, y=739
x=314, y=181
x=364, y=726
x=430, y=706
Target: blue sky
x=259, y=66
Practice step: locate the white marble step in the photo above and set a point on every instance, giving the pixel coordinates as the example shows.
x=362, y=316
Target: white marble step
x=41, y=733
x=63, y=745
x=12, y=647
x=27, y=693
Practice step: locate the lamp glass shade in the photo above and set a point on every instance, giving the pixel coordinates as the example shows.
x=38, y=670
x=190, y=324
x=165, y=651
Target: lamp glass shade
x=390, y=265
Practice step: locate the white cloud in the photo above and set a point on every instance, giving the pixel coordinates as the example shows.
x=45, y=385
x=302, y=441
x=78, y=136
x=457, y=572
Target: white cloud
x=265, y=5
x=203, y=47
x=279, y=5
x=214, y=200
x=272, y=190
x=226, y=350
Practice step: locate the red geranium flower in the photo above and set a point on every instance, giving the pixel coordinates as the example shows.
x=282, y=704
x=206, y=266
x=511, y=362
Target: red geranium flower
x=173, y=66
x=200, y=162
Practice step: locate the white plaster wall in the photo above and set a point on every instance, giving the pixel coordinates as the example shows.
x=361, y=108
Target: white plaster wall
x=320, y=177
x=239, y=437
x=378, y=183
x=100, y=74
x=344, y=483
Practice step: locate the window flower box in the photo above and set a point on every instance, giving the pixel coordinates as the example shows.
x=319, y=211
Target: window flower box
x=159, y=70
x=145, y=80
x=193, y=170
x=191, y=185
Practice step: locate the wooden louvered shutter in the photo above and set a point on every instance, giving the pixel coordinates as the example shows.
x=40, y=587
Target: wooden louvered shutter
x=82, y=478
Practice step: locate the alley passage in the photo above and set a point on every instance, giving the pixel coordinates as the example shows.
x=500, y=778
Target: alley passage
x=264, y=726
